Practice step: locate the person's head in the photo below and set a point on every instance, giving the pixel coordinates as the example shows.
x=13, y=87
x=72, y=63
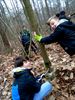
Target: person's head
x=52, y=22
x=21, y=62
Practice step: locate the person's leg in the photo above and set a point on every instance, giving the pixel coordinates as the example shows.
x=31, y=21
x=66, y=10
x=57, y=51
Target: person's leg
x=34, y=47
x=26, y=47
x=46, y=88
x=34, y=44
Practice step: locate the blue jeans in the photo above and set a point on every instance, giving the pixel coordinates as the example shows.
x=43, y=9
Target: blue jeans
x=46, y=88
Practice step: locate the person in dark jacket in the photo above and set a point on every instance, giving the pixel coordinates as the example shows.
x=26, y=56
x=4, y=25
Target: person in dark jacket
x=26, y=39
x=25, y=86
x=63, y=32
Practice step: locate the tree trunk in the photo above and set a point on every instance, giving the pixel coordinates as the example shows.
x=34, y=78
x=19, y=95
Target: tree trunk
x=34, y=27
x=39, y=19
x=4, y=36
x=58, y=5
x=43, y=10
x=16, y=16
x=47, y=9
x=67, y=6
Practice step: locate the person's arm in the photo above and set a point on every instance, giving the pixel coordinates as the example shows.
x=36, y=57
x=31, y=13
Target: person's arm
x=33, y=85
x=54, y=37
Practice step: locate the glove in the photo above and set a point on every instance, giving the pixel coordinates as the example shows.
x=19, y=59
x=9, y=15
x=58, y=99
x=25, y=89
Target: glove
x=38, y=37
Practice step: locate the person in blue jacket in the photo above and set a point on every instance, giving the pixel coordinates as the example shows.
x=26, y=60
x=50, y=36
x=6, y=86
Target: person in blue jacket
x=25, y=86
x=63, y=32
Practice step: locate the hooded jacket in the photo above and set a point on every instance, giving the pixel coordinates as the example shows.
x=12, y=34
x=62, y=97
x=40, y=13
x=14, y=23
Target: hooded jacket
x=24, y=86
x=64, y=34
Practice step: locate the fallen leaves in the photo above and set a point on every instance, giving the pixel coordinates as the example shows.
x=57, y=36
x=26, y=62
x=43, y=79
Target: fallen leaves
x=63, y=84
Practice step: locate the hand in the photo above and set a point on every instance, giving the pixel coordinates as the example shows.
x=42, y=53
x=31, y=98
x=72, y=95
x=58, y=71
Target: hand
x=37, y=37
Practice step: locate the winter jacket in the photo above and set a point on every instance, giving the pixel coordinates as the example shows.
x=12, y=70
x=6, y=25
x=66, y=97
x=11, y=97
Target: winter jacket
x=25, y=40
x=24, y=86
x=64, y=34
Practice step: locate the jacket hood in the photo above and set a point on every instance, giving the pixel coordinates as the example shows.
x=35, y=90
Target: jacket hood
x=18, y=72
x=61, y=21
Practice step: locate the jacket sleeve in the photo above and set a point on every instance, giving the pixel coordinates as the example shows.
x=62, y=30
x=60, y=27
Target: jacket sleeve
x=33, y=85
x=54, y=37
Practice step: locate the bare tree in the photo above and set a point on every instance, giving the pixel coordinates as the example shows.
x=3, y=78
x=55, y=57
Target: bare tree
x=67, y=5
x=3, y=34
x=38, y=17
x=47, y=8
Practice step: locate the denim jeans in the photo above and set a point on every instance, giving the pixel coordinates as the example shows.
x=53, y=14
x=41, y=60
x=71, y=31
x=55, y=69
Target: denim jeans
x=46, y=88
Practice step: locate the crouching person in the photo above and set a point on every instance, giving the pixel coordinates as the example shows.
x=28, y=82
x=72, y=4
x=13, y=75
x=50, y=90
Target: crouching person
x=25, y=86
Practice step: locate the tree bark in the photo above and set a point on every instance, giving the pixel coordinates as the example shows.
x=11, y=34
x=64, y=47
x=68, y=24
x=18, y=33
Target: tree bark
x=34, y=27
x=47, y=9
x=6, y=42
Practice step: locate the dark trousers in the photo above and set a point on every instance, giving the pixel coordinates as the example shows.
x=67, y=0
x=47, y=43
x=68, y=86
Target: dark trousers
x=33, y=47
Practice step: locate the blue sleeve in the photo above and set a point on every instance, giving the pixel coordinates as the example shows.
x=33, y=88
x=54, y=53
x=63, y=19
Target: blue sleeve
x=15, y=93
x=54, y=37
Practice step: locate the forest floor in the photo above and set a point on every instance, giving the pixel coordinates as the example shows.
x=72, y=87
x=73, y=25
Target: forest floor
x=63, y=84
